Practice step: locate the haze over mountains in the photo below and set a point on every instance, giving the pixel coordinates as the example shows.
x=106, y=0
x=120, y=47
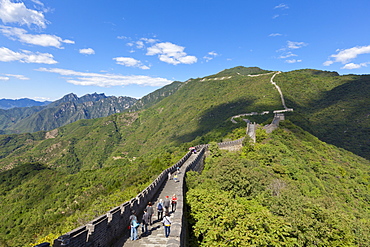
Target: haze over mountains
x=68, y=175
x=12, y=103
x=32, y=116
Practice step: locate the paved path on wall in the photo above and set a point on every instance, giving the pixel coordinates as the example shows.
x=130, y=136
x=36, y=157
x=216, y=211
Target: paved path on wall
x=279, y=90
x=156, y=232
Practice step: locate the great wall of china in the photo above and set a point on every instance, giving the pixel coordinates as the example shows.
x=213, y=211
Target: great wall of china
x=111, y=229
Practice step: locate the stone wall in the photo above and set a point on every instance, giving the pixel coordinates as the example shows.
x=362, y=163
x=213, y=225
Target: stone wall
x=107, y=228
x=231, y=145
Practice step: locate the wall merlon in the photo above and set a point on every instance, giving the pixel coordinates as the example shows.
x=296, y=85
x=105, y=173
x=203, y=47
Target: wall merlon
x=103, y=230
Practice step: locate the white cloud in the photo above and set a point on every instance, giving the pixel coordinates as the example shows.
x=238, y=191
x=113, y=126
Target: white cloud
x=3, y=78
x=286, y=51
x=7, y=55
x=293, y=61
x=281, y=6
x=87, y=51
x=275, y=34
x=18, y=13
x=327, y=63
x=19, y=77
x=34, y=39
x=130, y=62
x=38, y=2
x=149, y=41
x=171, y=53
x=354, y=66
x=288, y=54
x=275, y=16
x=296, y=45
x=106, y=80
x=211, y=55
x=139, y=44
x=347, y=55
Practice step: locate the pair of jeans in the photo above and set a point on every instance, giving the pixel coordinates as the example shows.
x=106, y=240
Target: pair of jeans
x=167, y=230
x=133, y=233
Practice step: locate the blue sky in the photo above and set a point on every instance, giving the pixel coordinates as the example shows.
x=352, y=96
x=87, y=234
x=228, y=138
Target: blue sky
x=131, y=48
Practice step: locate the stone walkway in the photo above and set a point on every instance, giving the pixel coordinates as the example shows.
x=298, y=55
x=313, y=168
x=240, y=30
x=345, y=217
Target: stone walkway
x=156, y=232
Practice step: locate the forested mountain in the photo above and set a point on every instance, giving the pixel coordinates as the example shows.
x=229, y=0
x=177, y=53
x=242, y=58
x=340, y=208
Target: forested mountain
x=287, y=189
x=334, y=108
x=66, y=110
x=12, y=103
x=93, y=165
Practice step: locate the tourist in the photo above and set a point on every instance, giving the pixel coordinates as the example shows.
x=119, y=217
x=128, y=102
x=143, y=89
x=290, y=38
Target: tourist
x=166, y=205
x=174, y=202
x=160, y=209
x=145, y=222
x=167, y=225
x=150, y=210
x=133, y=225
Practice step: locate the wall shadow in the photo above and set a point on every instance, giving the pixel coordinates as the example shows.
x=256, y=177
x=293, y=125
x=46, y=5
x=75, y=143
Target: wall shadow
x=217, y=120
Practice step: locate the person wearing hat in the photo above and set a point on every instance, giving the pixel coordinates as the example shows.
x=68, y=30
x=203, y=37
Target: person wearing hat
x=173, y=202
x=166, y=205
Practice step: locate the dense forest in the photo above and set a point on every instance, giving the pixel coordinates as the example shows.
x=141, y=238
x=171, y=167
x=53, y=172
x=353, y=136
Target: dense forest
x=287, y=189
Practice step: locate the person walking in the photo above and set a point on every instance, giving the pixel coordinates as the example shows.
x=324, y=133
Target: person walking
x=145, y=222
x=160, y=209
x=133, y=225
x=174, y=202
x=167, y=224
x=150, y=211
x=166, y=205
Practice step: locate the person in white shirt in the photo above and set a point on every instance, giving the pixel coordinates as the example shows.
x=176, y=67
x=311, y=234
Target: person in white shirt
x=167, y=225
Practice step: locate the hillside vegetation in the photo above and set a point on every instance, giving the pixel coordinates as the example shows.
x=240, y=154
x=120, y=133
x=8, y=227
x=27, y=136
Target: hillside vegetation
x=288, y=189
x=67, y=176
x=334, y=108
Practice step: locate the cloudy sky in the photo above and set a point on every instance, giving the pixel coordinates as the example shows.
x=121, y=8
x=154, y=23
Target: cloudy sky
x=131, y=48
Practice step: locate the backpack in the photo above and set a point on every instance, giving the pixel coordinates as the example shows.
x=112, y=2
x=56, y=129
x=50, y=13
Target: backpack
x=160, y=207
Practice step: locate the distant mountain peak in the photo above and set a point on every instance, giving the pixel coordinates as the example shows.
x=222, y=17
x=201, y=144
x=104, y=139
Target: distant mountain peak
x=24, y=102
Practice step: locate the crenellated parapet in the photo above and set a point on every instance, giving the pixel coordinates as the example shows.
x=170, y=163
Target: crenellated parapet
x=107, y=229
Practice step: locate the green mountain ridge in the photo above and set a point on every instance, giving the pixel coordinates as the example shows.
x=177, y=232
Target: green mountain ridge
x=96, y=164
x=66, y=110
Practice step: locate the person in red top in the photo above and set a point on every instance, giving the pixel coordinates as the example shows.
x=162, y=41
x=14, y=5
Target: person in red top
x=174, y=202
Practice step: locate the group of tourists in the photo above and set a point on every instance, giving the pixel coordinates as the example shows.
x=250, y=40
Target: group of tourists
x=175, y=175
x=163, y=206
